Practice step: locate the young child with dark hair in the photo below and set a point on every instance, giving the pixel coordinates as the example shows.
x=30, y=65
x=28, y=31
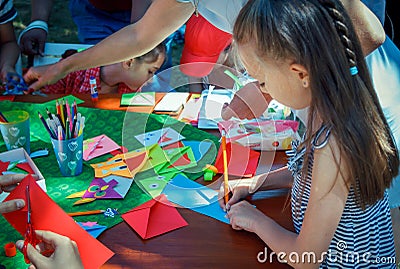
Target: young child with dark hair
x=124, y=77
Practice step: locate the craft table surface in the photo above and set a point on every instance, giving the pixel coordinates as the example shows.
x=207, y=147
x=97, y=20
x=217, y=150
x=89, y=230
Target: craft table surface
x=205, y=242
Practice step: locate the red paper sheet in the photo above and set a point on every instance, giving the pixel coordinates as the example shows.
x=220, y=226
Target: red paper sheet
x=242, y=161
x=47, y=215
x=154, y=217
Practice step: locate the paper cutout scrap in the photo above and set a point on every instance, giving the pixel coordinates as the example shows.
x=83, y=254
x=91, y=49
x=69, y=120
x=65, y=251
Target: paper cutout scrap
x=242, y=161
x=3, y=166
x=162, y=137
x=138, y=99
x=155, y=217
x=97, y=146
x=192, y=195
x=92, y=228
x=47, y=215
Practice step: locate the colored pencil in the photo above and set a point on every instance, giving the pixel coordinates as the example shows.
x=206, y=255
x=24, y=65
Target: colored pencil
x=2, y=118
x=225, y=160
x=46, y=126
x=83, y=213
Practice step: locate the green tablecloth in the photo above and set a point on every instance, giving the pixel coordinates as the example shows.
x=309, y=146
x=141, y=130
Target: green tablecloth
x=120, y=126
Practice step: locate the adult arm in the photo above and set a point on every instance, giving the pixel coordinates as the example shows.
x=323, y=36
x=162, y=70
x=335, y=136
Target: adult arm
x=162, y=18
x=32, y=41
x=368, y=27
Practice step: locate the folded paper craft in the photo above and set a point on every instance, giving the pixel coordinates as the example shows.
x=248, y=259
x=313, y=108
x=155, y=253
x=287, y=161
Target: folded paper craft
x=242, y=161
x=154, y=217
x=92, y=228
x=125, y=165
x=47, y=215
x=192, y=195
x=97, y=146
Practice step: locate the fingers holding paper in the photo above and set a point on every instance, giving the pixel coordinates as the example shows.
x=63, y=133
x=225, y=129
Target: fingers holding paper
x=239, y=188
x=7, y=184
x=64, y=252
x=40, y=76
x=244, y=216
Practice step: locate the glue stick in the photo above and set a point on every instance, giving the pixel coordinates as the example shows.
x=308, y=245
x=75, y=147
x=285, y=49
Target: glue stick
x=93, y=89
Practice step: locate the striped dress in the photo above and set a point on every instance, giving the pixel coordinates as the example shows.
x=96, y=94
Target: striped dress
x=363, y=238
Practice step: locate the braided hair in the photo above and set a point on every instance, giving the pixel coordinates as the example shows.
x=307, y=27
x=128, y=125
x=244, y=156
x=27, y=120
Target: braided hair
x=319, y=35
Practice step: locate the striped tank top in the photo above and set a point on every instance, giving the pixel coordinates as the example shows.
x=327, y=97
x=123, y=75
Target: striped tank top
x=363, y=238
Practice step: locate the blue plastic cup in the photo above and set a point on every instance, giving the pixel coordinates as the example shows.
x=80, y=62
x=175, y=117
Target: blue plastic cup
x=69, y=155
x=16, y=132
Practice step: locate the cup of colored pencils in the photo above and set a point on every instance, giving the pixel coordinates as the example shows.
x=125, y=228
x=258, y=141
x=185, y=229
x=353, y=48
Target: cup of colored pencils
x=65, y=128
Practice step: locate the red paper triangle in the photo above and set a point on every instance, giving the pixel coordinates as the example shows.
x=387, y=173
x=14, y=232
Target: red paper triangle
x=3, y=166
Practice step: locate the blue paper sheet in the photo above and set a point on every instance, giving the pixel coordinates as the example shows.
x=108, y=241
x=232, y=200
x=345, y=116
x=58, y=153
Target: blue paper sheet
x=192, y=195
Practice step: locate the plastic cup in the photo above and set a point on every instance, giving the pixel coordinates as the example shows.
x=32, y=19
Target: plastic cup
x=16, y=132
x=69, y=155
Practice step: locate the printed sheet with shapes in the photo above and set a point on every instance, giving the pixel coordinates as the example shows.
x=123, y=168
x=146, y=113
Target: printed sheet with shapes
x=162, y=137
x=192, y=195
x=53, y=218
x=154, y=217
x=97, y=146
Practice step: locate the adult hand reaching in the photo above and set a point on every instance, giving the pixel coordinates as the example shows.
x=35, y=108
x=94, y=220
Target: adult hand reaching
x=248, y=103
x=40, y=76
x=65, y=253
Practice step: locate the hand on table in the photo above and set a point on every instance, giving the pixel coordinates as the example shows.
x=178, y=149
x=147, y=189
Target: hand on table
x=248, y=103
x=244, y=216
x=65, y=253
x=32, y=42
x=8, y=183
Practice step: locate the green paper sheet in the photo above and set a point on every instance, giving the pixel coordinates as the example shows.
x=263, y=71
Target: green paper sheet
x=138, y=99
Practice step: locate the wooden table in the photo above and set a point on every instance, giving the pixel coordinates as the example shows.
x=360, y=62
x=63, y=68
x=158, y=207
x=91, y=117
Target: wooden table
x=205, y=242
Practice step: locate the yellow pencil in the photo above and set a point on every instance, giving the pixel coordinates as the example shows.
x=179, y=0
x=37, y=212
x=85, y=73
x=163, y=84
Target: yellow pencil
x=225, y=159
x=83, y=213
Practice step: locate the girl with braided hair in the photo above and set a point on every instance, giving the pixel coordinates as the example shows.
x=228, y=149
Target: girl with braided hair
x=305, y=53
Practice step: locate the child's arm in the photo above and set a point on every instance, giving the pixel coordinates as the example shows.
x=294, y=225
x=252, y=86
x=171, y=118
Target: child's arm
x=165, y=16
x=327, y=200
x=9, y=50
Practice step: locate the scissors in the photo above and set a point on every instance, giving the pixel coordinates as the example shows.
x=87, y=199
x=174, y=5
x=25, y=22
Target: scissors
x=30, y=236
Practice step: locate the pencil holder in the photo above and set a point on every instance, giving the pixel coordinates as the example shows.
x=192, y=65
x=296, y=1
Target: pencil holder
x=16, y=130
x=69, y=155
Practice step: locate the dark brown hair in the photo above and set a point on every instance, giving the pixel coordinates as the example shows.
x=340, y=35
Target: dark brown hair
x=320, y=36
x=152, y=56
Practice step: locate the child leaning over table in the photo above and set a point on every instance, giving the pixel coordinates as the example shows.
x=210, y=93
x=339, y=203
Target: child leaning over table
x=124, y=77
x=347, y=158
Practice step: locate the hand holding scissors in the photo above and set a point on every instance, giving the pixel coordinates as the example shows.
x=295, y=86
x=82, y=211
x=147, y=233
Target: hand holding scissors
x=30, y=236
